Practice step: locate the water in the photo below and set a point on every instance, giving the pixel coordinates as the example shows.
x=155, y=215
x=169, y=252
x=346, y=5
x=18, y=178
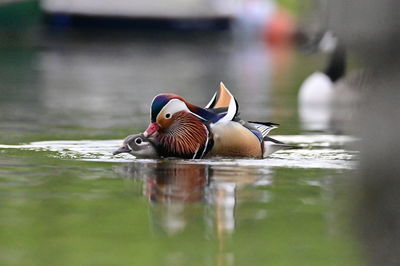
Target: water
x=318, y=151
x=68, y=99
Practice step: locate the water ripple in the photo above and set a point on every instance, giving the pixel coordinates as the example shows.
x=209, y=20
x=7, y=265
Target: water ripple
x=319, y=151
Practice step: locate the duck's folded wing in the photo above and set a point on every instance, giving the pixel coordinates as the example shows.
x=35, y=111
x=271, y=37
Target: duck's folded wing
x=263, y=127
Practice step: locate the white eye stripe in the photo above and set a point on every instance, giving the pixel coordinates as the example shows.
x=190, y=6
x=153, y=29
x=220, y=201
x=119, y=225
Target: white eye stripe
x=174, y=106
x=141, y=143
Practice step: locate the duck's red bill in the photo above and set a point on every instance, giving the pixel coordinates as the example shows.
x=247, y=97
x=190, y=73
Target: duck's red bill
x=151, y=129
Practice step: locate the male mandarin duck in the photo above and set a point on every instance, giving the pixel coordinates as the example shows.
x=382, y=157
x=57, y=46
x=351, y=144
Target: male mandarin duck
x=181, y=129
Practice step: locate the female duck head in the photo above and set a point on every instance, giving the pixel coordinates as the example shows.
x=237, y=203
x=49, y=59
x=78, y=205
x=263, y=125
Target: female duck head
x=139, y=146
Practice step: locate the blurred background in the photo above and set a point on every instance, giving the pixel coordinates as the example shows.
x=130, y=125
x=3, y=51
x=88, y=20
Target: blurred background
x=76, y=67
x=88, y=70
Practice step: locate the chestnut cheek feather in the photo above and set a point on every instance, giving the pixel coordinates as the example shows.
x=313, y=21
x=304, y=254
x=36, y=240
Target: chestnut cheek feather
x=184, y=136
x=164, y=123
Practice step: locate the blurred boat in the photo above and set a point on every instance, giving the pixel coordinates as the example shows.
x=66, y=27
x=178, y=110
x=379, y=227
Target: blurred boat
x=192, y=11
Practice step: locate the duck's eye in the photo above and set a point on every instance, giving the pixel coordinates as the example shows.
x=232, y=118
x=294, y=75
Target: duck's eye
x=138, y=141
x=167, y=115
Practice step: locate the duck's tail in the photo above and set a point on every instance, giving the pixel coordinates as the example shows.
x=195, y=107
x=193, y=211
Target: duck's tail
x=272, y=145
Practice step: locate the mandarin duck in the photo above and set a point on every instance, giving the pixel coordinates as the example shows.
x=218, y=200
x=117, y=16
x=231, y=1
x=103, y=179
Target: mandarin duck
x=181, y=129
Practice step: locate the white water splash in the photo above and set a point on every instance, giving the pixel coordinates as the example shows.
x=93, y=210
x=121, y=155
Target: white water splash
x=320, y=151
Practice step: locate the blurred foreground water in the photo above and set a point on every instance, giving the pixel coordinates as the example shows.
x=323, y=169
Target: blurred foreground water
x=66, y=201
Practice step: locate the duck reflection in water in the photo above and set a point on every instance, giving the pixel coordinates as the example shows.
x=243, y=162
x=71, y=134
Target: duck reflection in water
x=171, y=183
x=184, y=195
x=187, y=197
x=175, y=190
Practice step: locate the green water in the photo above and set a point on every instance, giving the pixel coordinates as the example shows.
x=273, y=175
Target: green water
x=61, y=210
